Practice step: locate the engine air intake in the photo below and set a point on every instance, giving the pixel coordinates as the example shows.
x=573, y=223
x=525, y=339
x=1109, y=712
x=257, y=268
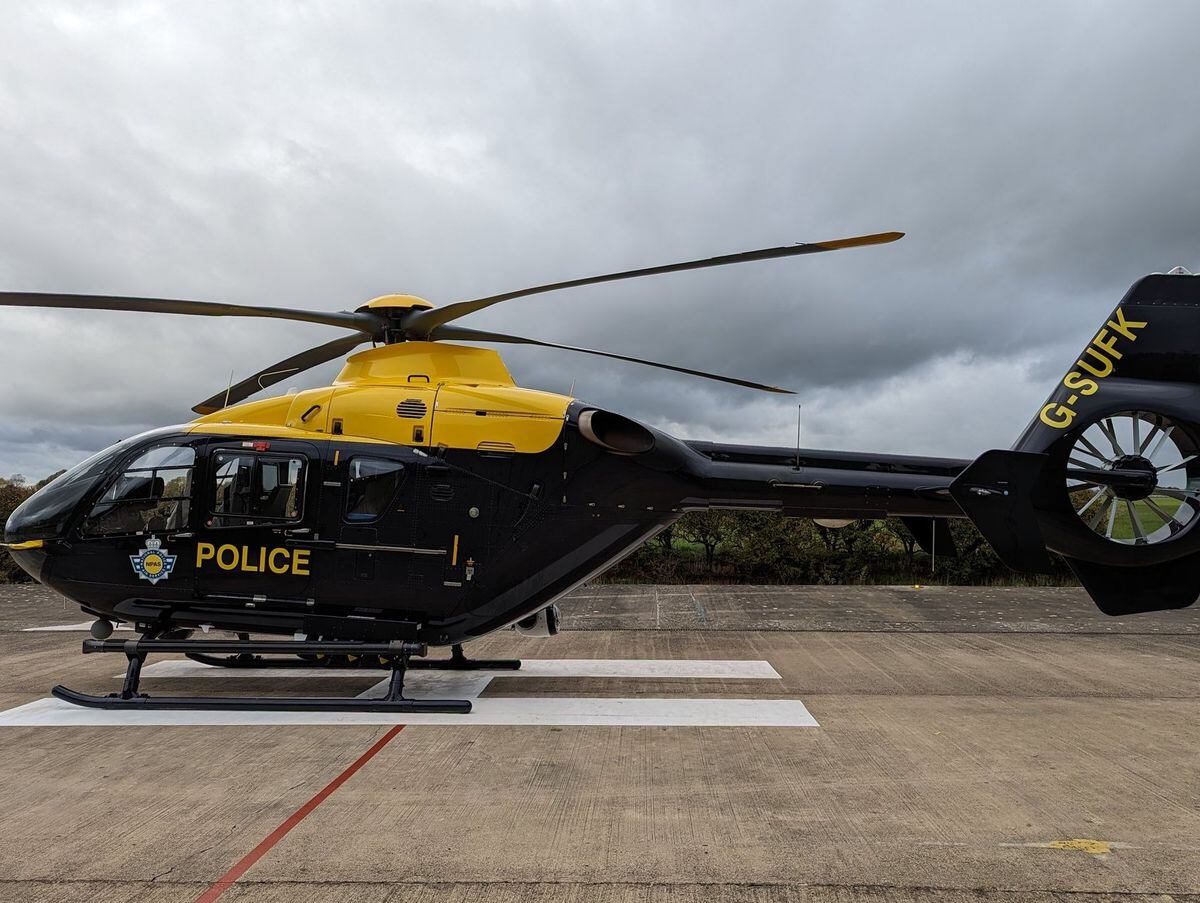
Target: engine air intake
x=411, y=408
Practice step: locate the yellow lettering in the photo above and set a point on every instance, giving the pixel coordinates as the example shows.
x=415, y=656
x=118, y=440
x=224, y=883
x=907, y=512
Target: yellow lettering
x=262, y=560
x=1080, y=383
x=1063, y=414
x=1109, y=346
x=221, y=558
x=1107, y=368
x=204, y=551
x=278, y=568
x=246, y=565
x=300, y=562
x=1123, y=326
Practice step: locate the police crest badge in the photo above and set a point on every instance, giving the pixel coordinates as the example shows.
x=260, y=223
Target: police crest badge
x=153, y=563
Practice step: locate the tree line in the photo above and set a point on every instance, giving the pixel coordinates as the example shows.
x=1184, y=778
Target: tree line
x=762, y=547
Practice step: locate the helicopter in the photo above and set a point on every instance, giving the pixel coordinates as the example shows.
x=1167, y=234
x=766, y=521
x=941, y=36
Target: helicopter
x=423, y=499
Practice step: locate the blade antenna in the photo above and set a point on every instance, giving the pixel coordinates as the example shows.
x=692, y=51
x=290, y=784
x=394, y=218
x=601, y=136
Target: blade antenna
x=228, y=390
x=799, y=408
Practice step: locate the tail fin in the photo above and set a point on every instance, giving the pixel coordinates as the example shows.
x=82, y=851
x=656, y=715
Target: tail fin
x=1108, y=472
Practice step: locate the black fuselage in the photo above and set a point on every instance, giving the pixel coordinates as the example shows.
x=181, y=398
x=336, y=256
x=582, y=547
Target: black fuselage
x=464, y=542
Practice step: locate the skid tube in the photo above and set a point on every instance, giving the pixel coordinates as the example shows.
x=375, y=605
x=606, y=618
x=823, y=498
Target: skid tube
x=396, y=655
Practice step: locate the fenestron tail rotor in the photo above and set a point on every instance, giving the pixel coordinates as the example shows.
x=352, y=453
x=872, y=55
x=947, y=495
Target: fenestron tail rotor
x=400, y=318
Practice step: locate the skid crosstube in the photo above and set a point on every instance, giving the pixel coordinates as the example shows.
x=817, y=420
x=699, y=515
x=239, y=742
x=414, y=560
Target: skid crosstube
x=392, y=655
x=459, y=662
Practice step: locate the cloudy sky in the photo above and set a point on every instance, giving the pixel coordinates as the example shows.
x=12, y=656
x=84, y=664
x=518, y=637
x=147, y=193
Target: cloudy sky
x=1040, y=156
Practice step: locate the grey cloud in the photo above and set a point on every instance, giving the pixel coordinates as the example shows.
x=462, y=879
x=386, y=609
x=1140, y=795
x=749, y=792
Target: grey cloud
x=1041, y=157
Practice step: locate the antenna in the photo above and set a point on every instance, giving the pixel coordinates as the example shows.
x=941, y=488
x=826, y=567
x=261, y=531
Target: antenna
x=799, y=408
x=228, y=390
x=571, y=391
x=933, y=546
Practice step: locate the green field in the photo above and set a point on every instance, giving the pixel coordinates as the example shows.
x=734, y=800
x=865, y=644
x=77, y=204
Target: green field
x=1122, y=526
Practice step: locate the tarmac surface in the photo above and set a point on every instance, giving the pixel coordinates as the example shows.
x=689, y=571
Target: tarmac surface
x=969, y=744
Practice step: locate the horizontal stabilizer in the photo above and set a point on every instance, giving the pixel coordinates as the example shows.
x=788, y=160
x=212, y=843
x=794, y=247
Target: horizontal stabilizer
x=996, y=493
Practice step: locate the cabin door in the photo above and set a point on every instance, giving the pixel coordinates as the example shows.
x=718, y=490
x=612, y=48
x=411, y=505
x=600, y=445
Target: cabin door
x=372, y=523
x=257, y=547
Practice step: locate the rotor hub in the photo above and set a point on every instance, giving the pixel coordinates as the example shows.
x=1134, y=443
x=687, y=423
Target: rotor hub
x=1135, y=491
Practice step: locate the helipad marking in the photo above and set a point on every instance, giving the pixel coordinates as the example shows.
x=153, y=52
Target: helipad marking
x=487, y=711
x=560, y=667
x=492, y=710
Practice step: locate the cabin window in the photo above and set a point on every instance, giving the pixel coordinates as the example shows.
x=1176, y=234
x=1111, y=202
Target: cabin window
x=372, y=484
x=151, y=495
x=250, y=489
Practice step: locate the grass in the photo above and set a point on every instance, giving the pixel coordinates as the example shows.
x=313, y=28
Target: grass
x=1123, y=526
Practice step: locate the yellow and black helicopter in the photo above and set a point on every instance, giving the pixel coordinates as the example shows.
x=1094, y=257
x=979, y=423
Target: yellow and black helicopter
x=424, y=499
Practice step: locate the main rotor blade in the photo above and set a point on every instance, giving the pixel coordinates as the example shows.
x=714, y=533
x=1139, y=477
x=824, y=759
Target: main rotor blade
x=297, y=363
x=458, y=333
x=363, y=322
x=422, y=323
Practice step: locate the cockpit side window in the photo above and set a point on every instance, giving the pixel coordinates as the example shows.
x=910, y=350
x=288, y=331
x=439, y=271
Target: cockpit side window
x=249, y=488
x=372, y=486
x=152, y=494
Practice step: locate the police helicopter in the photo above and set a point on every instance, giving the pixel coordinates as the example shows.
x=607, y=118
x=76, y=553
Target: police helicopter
x=424, y=499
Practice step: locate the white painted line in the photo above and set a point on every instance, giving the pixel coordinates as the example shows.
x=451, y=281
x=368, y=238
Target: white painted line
x=562, y=667
x=489, y=711
x=82, y=627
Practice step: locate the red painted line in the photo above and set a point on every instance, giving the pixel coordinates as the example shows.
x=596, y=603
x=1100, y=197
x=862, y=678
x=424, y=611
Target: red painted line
x=227, y=880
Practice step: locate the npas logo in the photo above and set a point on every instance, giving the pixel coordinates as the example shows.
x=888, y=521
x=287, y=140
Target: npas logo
x=1097, y=359
x=153, y=563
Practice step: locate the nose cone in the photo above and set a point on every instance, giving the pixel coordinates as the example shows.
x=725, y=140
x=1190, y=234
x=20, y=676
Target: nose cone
x=30, y=557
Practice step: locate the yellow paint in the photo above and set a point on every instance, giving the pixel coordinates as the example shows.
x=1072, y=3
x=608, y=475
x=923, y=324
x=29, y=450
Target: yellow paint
x=424, y=363
x=370, y=410
x=24, y=546
x=153, y=564
x=259, y=561
x=337, y=455
x=454, y=553
x=880, y=238
x=455, y=384
x=394, y=301
x=303, y=403
x=495, y=417
x=1082, y=845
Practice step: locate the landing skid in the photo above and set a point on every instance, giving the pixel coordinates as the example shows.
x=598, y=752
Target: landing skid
x=395, y=655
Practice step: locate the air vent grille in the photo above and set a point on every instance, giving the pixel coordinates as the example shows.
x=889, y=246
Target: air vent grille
x=411, y=408
x=441, y=492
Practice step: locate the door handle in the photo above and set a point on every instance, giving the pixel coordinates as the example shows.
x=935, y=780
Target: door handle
x=302, y=531
x=182, y=535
